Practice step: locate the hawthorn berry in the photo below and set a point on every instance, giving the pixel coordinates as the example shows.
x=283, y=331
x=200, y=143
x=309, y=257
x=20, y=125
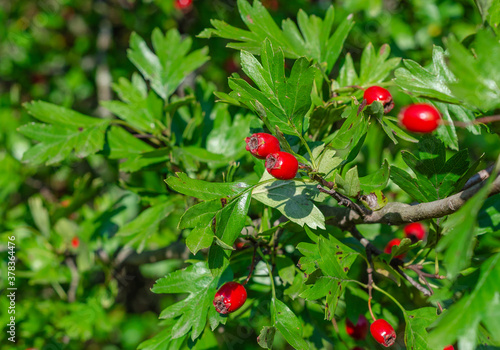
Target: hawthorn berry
x=75, y=242
x=415, y=231
x=378, y=93
x=392, y=243
x=383, y=332
x=359, y=330
x=230, y=297
x=282, y=165
x=420, y=117
x=183, y=4
x=262, y=144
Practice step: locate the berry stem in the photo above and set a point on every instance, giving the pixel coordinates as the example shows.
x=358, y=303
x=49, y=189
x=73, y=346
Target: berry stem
x=369, y=270
x=252, y=266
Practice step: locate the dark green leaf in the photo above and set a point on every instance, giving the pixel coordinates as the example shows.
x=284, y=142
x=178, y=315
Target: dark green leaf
x=203, y=189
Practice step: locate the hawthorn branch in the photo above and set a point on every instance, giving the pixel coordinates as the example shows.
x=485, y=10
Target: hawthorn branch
x=400, y=213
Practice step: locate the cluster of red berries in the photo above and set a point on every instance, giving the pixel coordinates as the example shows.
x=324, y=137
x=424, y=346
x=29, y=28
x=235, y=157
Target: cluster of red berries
x=281, y=165
x=414, y=231
x=419, y=117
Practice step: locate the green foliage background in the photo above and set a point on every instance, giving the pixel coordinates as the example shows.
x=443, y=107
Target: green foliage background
x=79, y=185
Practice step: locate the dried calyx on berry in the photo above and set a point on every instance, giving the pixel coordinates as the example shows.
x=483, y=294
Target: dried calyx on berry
x=282, y=165
x=262, y=144
x=383, y=332
x=420, y=117
x=378, y=93
x=230, y=297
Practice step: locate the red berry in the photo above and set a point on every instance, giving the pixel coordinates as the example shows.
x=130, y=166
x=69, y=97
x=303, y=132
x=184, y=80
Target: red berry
x=262, y=144
x=449, y=347
x=359, y=330
x=183, y=4
x=420, y=117
x=392, y=243
x=415, y=231
x=383, y=332
x=282, y=165
x=75, y=242
x=230, y=297
x=377, y=93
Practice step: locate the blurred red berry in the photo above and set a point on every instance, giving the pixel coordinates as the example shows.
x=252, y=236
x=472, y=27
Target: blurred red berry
x=392, y=243
x=415, y=231
x=183, y=4
x=75, y=242
x=420, y=117
x=359, y=330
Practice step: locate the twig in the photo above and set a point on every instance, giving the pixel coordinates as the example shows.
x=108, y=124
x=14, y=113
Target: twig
x=400, y=213
x=75, y=278
x=479, y=177
x=345, y=201
x=412, y=281
x=483, y=120
x=252, y=266
x=369, y=271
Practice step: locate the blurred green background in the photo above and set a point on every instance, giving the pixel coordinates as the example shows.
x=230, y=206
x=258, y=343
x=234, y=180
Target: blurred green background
x=68, y=52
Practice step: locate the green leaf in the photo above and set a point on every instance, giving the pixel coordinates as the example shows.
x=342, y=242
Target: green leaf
x=375, y=67
x=328, y=162
x=314, y=40
x=334, y=259
x=377, y=180
x=286, y=268
x=278, y=100
x=432, y=82
x=478, y=75
x=231, y=219
x=190, y=313
x=459, y=231
x=436, y=177
x=170, y=64
x=137, y=231
x=350, y=186
x=408, y=184
x=416, y=323
x=481, y=305
x=67, y=131
x=352, y=131
x=60, y=116
x=144, y=114
x=266, y=337
x=162, y=341
x=138, y=153
x=200, y=214
x=293, y=199
x=200, y=238
x=287, y=324
x=203, y=189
